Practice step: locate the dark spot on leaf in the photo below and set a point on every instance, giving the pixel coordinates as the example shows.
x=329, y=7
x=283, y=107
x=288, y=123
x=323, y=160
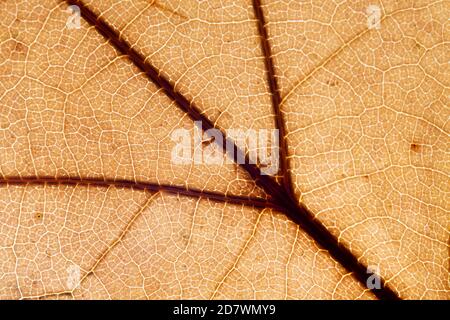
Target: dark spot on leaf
x=38, y=215
x=415, y=147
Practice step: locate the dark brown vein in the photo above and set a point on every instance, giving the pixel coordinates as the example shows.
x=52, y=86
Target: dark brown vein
x=229, y=147
x=139, y=185
x=274, y=92
x=163, y=8
x=297, y=212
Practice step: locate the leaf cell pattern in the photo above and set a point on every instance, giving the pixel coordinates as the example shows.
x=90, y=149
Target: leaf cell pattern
x=86, y=177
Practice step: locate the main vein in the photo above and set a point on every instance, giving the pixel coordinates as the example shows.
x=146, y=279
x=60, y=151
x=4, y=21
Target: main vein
x=285, y=200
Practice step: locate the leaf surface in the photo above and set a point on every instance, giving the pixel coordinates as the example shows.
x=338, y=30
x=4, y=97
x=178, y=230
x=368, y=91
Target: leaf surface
x=88, y=188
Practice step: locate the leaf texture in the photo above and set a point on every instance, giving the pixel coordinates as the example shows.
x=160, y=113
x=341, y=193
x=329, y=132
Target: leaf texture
x=88, y=185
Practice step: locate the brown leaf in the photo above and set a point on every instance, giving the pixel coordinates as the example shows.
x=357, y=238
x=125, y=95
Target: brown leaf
x=94, y=207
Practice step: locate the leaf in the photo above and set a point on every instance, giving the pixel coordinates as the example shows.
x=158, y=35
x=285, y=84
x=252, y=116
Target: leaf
x=93, y=205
